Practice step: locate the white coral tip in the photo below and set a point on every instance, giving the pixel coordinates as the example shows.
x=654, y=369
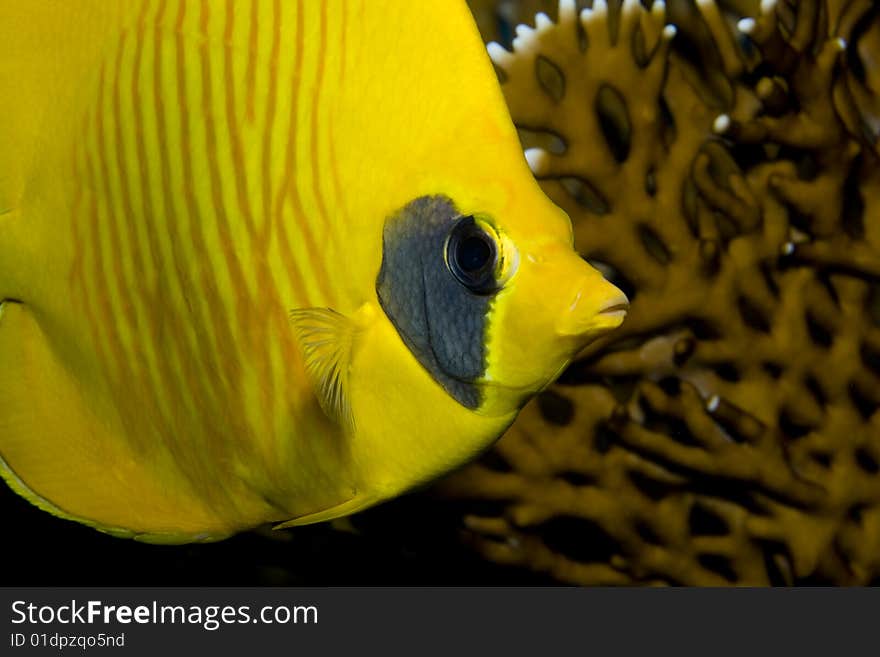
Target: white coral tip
x=746, y=25
x=713, y=403
x=567, y=10
x=523, y=30
x=600, y=6
x=525, y=37
x=542, y=21
x=841, y=43
x=658, y=11
x=787, y=248
x=537, y=160
x=767, y=6
x=721, y=124
x=669, y=31
x=496, y=51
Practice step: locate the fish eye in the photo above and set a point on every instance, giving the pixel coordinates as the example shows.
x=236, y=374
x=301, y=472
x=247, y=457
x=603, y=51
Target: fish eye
x=471, y=255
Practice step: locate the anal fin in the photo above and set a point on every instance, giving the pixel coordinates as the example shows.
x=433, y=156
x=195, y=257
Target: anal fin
x=353, y=505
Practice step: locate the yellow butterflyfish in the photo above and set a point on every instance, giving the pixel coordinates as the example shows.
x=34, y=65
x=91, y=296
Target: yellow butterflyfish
x=265, y=260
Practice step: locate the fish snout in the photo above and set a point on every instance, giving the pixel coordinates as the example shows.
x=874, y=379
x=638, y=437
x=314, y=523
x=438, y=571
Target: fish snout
x=595, y=306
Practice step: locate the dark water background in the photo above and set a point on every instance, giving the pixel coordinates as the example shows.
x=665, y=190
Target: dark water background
x=410, y=541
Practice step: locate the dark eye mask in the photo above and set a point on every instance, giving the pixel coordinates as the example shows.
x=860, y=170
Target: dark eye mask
x=441, y=321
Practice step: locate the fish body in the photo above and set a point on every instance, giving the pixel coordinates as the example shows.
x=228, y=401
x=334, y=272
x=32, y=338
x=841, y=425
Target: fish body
x=225, y=255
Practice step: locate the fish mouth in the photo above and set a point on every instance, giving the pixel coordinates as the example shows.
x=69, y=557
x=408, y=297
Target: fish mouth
x=615, y=311
x=615, y=308
x=606, y=317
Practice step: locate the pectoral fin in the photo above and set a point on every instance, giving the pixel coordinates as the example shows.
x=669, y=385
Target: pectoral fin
x=327, y=339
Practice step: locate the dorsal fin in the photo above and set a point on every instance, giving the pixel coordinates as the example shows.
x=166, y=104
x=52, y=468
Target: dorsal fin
x=327, y=337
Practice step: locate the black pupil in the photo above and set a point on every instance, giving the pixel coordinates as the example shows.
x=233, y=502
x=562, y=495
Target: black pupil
x=473, y=253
